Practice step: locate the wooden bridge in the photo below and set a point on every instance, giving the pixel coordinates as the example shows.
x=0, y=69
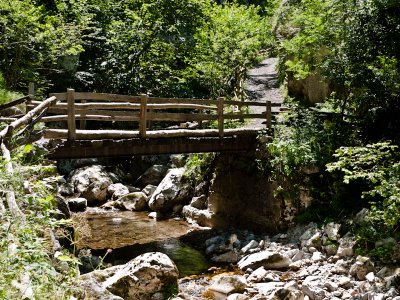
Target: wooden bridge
x=200, y=125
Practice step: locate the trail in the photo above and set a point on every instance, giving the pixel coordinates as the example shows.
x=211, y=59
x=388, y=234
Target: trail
x=262, y=85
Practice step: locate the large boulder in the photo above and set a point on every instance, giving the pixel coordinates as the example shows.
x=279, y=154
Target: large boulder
x=171, y=191
x=136, y=201
x=141, y=278
x=266, y=259
x=90, y=182
x=117, y=190
x=153, y=175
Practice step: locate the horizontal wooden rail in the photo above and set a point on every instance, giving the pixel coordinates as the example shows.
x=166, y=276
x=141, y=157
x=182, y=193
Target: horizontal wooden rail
x=126, y=134
x=144, y=110
x=14, y=102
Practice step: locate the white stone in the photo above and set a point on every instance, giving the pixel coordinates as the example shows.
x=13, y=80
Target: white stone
x=140, y=278
x=251, y=245
x=270, y=260
x=370, y=277
x=332, y=231
x=171, y=191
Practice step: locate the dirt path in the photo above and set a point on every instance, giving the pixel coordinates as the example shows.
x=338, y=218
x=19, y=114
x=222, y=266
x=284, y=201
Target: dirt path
x=262, y=85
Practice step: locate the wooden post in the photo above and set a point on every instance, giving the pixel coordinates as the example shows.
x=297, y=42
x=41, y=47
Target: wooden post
x=31, y=93
x=268, y=114
x=71, y=114
x=142, y=117
x=220, y=111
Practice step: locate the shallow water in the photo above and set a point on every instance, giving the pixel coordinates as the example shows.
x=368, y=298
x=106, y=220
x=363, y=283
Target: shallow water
x=99, y=229
x=130, y=234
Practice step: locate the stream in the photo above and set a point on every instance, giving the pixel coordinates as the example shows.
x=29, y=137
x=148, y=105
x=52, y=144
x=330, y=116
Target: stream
x=129, y=234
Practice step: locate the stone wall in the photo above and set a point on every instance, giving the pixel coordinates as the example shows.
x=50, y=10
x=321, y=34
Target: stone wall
x=241, y=196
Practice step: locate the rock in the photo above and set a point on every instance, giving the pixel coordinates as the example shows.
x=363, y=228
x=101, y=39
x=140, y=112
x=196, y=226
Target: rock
x=140, y=278
x=77, y=204
x=149, y=190
x=331, y=249
x=134, y=201
x=253, y=244
x=331, y=286
x=178, y=160
x=117, y=190
x=203, y=217
x=266, y=289
x=11, y=111
x=228, y=257
x=287, y=294
x=170, y=191
x=238, y=297
x=298, y=256
x=66, y=166
x=199, y=202
x=346, y=246
x=311, y=237
x=344, y=281
x=63, y=207
x=91, y=182
x=332, y=231
x=258, y=275
x=317, y=256
x=370, y=277
x=361, y=267
x=295, y=266
x=153, y=175
x=267, y=259
x=229, y=284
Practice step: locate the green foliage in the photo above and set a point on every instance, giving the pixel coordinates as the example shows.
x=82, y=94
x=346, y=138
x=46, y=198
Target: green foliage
x=34, y=41
x=5, y=94
x=227, y=46
x=355, y=46
x=198, y=166
x=25, y=256
x=377, y=165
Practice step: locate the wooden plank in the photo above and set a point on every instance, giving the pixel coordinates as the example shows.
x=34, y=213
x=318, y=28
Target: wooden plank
x=252, y=103
x=14, y=102
x=179, y=117
x=129, y=106
x=100, y=96
x=220, y=113
x=95, y=112
x=71, y=114
x=143, y=116
x=244, y=116
x=156, y=134
x=63, y=118
x=156, y=100
x=27, y=118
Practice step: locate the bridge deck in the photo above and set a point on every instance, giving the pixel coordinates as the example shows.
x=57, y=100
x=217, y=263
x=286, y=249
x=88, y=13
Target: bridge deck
x=138, y=146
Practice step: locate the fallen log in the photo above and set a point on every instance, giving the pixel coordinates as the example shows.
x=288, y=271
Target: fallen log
x=10, y=194
x=127, y=134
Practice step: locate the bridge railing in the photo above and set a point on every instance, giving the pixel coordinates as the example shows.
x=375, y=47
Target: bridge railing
x=82, y=106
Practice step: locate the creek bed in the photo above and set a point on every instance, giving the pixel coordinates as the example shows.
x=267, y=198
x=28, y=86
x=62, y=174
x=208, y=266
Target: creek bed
x=129, y=234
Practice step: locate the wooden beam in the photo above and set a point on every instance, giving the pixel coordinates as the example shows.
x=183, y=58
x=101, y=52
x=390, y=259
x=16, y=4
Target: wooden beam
x=14, y=102
x=27, y=118
x=120, y=148
x=71, y=114
x=156, y=134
